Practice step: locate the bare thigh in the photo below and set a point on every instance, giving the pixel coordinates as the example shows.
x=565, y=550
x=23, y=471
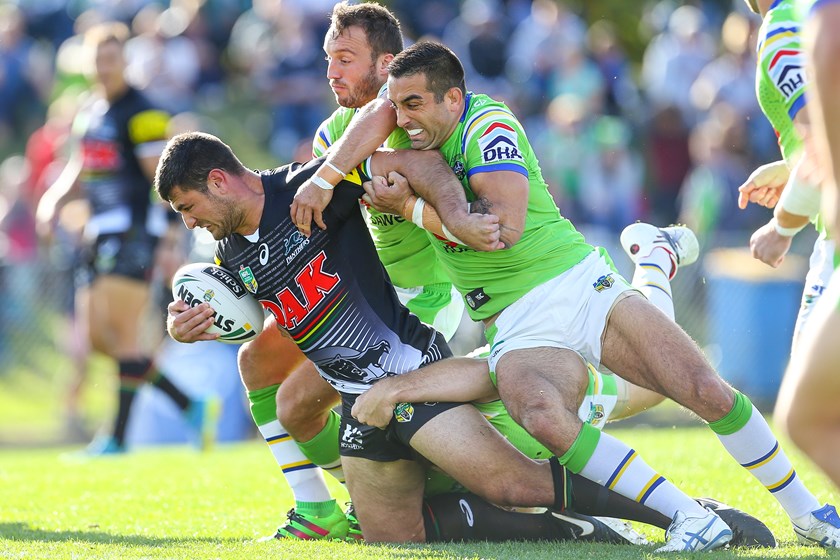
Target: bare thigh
x=268, y=359
x=542, y=389
x=388, y=498
x=645, y=347
x=464, y=445
x=807, y=405
x=116, y=308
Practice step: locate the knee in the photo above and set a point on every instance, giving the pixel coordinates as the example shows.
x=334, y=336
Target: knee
x=246, y=361
x=295, y=409
x=539, y=416
x=258, y=365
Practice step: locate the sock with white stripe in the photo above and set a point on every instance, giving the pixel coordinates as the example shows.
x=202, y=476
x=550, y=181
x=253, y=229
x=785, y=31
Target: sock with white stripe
x=305, y=478
x=613, y=464
x=747, y=437
x=652, y=277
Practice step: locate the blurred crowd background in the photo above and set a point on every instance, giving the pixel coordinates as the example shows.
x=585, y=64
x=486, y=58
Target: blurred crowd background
x=636, y=110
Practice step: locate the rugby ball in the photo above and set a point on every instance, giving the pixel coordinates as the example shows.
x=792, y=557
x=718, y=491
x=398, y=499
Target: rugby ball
x=239, y=316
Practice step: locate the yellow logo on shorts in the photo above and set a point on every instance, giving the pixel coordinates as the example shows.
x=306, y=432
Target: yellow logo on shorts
x=604, y=283
x=404, y=412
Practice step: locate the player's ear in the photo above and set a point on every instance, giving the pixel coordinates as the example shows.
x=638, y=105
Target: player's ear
x=216, y=180
x=454, y=97
x=382, y=64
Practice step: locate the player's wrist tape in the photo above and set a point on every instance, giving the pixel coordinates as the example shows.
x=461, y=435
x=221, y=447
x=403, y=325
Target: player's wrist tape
x=785, y=231
x=417, y=213
x=448, y=234
x=336, y=169
x=322, y=183
x=799, y=196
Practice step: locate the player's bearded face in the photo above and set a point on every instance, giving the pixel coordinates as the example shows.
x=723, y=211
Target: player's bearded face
x=351, y=67
x=224, y=217
x=359, y=94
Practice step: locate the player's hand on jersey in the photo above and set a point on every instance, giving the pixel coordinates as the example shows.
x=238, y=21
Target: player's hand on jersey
x=764, y=185
x=388, y=195
x=375, y=407
x=481, y=232
x=308, y=204
x=188, y=324
x=769, y=246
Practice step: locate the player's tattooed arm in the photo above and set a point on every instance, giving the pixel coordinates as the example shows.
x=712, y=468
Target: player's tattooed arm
x=507, y=235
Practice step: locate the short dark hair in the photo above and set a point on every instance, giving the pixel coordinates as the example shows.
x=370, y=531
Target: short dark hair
x=381, y=27
x=437, y=62
x=187, y=161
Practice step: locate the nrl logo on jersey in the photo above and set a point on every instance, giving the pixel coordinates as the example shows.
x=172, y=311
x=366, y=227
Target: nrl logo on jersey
x=247, y=276
x=498, y=143
x=604, y=283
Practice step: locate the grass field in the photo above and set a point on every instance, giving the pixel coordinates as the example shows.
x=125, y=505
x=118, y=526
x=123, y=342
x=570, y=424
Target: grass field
x=173, y=502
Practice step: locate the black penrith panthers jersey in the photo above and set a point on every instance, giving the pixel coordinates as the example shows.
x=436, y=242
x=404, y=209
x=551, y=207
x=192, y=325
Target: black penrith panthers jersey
x=329, y=292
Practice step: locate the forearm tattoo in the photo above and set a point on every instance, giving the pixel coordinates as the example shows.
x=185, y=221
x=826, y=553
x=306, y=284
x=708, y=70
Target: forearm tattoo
x=482, y=205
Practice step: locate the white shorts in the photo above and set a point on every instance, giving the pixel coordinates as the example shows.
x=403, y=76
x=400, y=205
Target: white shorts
x=569, y=311
x=443, y=312
x=821, y=266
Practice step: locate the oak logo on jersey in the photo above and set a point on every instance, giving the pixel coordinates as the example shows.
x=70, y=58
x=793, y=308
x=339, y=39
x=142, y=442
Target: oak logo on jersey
x=605, y=282
x=247, y=276
x=786, y=70
x=499, y=143
x=294, y=245
x=314, y=284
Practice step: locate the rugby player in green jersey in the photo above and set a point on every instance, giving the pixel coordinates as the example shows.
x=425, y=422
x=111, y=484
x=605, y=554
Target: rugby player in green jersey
x=807, y=406
x=553, y=302
x=359, y=46
x=781, y=90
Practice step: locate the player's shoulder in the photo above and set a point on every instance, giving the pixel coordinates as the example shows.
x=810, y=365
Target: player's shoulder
x=484, y=112
x=780, y=30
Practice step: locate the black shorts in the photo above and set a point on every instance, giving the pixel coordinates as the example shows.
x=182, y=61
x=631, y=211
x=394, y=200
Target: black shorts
x=130, y=254
x=391, y=444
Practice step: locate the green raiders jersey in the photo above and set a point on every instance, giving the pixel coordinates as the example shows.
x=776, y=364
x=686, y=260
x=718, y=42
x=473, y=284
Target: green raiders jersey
x=489, y=138
x=403, y=248
x=780, y=79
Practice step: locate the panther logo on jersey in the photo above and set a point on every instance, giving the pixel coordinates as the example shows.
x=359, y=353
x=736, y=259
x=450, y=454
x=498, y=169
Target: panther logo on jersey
x=365, y=366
